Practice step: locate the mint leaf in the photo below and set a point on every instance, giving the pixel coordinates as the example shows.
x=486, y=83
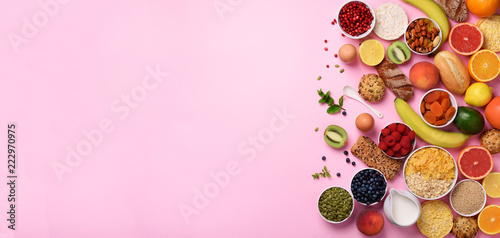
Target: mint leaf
x=322, y=100
x=341, y=101
x=320, y=93
x=333, y=109
x=330, y=101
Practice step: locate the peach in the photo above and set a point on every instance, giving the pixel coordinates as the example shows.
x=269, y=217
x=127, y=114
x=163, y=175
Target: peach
x=424, y=75
x=370, y=222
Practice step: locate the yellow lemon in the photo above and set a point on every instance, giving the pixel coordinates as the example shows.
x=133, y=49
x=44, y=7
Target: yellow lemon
x=371, y=52
x=478, y=94
x=491, y=184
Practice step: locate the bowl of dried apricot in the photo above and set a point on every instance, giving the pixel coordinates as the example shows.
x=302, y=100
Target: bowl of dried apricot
x=438, y=108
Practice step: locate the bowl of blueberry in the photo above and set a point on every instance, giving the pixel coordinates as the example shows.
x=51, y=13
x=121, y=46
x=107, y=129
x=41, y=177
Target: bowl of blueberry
x=397, y=140
x=368, y=186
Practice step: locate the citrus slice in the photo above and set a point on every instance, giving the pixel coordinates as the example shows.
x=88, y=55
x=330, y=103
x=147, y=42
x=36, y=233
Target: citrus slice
x=489, y=219
x=465, y=39
x=491, y=184
x=475, y=162
x=484, y=65
x=371, y=52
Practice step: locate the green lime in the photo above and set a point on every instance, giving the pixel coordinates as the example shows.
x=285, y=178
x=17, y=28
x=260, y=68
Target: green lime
x=478, y=94
x=469, y=120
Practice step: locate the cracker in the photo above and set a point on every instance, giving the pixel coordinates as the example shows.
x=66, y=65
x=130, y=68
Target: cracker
x=436, y=219
x=390, y=21
x=368, y=152
x=490, y=26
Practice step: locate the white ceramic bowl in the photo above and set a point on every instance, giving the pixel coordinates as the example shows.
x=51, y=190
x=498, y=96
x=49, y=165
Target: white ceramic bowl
x=453, y=103
x=372, y=25
x=334, y=222
x=452, y=184
x=476, y=212
x=413, y=145
x=385, y=191
x=433, y=49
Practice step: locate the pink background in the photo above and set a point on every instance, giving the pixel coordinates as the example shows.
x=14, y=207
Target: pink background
x=231, y=75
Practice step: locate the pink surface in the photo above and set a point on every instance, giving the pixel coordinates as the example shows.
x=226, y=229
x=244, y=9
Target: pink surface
x=147, y=104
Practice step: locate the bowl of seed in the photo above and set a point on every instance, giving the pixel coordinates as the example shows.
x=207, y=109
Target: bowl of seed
x=335, y=204
x=430, y=172
x=468, y=198
x=423, y=36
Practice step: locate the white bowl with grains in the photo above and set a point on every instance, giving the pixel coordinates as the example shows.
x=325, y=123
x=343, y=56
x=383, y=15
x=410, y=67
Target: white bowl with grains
x=468, y=198
x=430, y=172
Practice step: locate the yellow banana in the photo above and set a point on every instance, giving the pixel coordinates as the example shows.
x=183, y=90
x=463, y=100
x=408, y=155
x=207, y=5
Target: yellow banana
x=435, y=12
x=425, y=132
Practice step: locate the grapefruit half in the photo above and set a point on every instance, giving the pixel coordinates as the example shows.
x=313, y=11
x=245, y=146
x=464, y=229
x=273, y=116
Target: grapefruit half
x=465, y=38
x=475, y=162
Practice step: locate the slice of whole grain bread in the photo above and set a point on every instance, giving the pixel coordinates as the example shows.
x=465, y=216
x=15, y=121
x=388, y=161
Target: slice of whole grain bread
x=368, y=152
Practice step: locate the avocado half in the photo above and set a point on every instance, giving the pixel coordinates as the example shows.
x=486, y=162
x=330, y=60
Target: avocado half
x=335, y=136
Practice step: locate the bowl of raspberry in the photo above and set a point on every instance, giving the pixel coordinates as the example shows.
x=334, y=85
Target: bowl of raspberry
x=356, y=19
x=397, y=140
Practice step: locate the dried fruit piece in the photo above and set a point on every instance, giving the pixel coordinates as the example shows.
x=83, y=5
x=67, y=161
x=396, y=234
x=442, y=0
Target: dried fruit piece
x=436, y=109
x=432, y=96
x=441, y=122
x=445, y=103
x=430, y=118
x=449, y=113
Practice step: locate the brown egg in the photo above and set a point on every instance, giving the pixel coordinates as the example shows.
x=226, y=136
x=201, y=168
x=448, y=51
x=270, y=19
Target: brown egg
x=364, y=122
x=348, y=53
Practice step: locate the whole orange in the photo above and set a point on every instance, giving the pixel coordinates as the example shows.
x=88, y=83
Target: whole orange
x=492, y=112
x=483, y=8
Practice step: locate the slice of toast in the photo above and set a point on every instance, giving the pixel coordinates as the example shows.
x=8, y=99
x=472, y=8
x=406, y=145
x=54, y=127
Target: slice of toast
x=368, y=152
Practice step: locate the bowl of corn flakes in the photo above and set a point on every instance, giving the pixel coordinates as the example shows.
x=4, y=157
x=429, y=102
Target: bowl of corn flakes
x=430, y=172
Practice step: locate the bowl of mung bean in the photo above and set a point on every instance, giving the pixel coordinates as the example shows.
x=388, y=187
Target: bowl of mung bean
x=468, y=198
x=430, y=172
x=335, y=204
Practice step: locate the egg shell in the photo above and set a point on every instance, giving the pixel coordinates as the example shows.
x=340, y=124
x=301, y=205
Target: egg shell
x=348, y=53
x=364, y=122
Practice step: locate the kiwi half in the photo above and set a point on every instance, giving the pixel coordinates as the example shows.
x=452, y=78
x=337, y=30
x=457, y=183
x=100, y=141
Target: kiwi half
x=398, y=52
x=335, y=136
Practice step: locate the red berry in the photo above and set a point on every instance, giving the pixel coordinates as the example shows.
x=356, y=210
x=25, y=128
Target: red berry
x=396, y=147
x=333, y=23
x=389, y=152
x=326, y=48
x=390, y=140
x=335, y=55
x=411, y=134
x=326, y=41
x=405, y=142
x=404, y=151
x=396, y=135
x=406, y=131
x=382, y=145
x=343, y=35
x=401, y=128
x=386, y=132
x=335, y=20
x=328, y=66
x=392, y=127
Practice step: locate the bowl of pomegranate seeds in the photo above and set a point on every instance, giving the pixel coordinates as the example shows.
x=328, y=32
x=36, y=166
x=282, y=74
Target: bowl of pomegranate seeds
x=356, y=19
x=397, y=140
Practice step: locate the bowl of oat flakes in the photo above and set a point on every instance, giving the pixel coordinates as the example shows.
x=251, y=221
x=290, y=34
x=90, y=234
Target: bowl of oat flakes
x=430, y=172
